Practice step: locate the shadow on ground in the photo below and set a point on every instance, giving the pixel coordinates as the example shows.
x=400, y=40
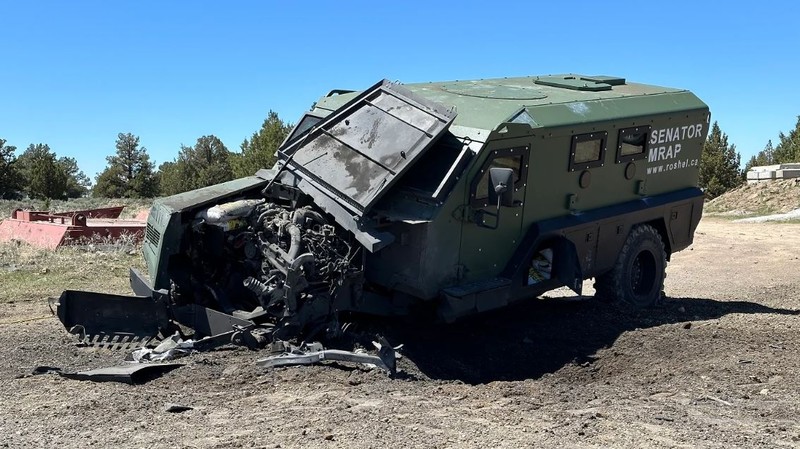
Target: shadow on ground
x=532, y=339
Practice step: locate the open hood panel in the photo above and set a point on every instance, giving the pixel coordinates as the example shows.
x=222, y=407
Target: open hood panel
x=359, y=151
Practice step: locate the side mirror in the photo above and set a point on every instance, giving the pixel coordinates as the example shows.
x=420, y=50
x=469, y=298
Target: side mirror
x=501, y=188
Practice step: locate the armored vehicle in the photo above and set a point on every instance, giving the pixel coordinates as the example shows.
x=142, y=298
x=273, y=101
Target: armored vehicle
x=449, y=197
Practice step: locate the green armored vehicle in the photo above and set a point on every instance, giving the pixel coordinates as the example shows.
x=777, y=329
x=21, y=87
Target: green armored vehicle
x=453, y=197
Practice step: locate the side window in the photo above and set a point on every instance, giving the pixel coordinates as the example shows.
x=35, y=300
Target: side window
x=513, y=159
x=306, y=123
x=632, y=144
x=587, y=150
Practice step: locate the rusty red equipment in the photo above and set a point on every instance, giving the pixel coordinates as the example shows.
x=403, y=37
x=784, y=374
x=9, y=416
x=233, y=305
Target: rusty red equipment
x=51, y=230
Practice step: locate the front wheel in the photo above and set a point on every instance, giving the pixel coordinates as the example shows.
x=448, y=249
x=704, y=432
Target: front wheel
x=637, y=277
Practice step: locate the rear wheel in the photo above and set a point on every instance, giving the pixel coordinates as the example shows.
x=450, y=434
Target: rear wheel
x=637, y=278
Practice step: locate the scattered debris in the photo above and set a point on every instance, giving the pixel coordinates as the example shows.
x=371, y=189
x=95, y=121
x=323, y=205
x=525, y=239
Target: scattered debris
x=133, y=373
x=176, y=408
x=45, y=370
x=137, y=323
x=715, y=399
x=315, y=353
x=170, y=348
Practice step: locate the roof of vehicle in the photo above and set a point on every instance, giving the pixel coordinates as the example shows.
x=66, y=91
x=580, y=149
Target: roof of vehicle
x=542, y=101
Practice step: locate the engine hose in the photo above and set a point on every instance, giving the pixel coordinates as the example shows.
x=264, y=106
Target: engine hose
x=267, y=214
x=296, y=245
x=301, y=259
x=300, y=215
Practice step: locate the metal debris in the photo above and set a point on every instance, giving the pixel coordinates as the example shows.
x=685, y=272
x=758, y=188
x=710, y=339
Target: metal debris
x=315, y=353
x=43, y=369
x=134, y=373
x=176, y=408
x=170, y=348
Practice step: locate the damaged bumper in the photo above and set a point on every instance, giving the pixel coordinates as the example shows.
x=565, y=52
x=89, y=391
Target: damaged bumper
x=128, y=322
x=142, y=321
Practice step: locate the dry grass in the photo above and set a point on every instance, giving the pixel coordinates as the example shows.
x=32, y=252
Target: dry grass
x=31, y=274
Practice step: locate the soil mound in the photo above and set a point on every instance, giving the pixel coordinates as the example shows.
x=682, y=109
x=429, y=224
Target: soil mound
x=769, y=197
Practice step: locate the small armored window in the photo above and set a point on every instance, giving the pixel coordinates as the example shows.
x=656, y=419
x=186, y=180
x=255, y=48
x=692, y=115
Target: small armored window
x=512, y=162
x=632, y=144
x=587, y=150
x=306, y=123
x=514, y=158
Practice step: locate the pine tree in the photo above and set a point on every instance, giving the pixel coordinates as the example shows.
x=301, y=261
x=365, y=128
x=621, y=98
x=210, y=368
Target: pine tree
x=788, y=149
x=259, y=151
x=719, y=164
x=170, y=178
x=130, y=173
x=206, y=163
x=764, y=157
x=43, y=176
x=11, y=183
x=77, y=182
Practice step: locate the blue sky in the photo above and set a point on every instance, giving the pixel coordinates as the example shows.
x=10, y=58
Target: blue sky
x=74, y=74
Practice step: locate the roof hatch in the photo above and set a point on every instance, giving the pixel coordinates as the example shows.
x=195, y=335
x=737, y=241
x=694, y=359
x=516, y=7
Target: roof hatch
x=580, y=82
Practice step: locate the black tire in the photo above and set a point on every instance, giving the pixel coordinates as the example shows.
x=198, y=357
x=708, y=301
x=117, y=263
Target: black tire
x=637, y=278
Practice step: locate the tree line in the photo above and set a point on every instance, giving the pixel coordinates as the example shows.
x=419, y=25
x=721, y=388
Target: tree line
x=39, y=173
x=130, y=173
x=787, y=150
x=719, y=166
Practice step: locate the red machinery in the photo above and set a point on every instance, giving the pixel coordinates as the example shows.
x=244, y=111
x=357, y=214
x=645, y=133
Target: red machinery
x=50, y=230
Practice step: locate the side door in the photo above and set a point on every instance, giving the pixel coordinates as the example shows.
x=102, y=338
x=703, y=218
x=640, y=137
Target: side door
x=491, y=233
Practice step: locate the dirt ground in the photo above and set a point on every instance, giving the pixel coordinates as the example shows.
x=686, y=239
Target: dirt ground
x=714, y=366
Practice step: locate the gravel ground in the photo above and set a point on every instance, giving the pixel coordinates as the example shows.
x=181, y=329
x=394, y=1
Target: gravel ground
x=713, y=366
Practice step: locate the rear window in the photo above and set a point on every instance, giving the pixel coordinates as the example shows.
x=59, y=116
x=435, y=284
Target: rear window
x=632, y=143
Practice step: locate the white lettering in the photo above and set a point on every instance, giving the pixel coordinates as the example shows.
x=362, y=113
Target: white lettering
x=654, y=137
x=676, y=165
x=653, y=154
x=677, y=149
x=661, y=134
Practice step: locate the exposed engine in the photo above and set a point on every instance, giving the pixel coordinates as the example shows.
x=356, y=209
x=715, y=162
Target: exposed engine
x=288, y=267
